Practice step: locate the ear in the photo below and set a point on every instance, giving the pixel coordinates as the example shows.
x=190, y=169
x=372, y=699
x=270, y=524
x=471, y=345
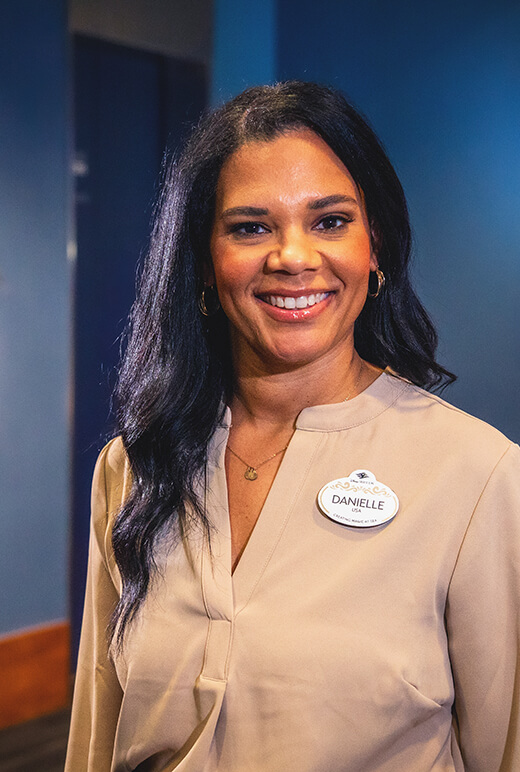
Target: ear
x=208, y=274
x=375, y=243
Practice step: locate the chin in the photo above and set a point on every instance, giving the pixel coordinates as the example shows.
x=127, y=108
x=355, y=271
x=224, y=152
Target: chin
x=288, y=351
x=290, y=357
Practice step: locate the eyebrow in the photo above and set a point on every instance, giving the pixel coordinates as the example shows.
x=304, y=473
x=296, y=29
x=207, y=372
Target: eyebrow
x=318, y=203
x=323, y=203
x=245, y=211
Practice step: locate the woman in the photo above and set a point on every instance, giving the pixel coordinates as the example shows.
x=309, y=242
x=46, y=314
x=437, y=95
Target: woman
x=300, y=559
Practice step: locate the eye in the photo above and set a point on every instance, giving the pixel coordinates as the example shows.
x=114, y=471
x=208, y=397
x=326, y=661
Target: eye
x=333, y=222
x=248, y=229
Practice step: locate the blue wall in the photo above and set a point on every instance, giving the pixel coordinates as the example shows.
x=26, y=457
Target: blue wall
x=244, y=46
x=34, y=314
x=439, y=82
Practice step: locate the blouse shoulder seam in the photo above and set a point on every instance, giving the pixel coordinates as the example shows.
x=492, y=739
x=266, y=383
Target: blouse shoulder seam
x=443, y=403
x=474, y=510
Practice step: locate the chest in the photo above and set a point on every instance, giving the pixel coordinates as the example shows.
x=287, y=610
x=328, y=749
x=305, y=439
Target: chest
x=246, y=499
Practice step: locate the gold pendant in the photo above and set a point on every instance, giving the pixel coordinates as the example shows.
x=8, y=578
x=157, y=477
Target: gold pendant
x=250, y=473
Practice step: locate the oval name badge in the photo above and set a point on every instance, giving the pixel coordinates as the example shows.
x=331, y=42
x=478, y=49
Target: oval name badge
x=358, y=500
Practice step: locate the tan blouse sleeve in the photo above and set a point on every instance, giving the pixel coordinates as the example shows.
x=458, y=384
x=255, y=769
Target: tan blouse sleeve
x=97, y=692
x=483, y=623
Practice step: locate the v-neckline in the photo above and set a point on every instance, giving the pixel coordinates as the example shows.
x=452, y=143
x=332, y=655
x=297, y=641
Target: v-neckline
x=272, y=519
x=238, y=586
x=269, y=526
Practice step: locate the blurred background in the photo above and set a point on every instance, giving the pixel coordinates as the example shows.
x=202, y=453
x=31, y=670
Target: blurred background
x=91, y=93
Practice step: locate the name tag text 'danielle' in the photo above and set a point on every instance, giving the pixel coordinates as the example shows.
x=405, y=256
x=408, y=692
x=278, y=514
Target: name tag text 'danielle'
x=358, y=500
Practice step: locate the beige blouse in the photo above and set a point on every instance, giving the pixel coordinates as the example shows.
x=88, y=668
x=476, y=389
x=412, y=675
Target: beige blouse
x=392, y=648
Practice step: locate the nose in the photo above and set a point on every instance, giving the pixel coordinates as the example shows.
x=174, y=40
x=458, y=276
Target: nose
x=294, y=254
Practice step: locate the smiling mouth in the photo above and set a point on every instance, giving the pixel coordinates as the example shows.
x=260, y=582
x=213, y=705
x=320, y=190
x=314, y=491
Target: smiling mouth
x=303, y=301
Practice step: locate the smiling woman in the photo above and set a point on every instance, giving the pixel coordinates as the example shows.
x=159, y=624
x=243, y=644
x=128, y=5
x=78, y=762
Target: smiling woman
x=293, y=280
x=305, y=556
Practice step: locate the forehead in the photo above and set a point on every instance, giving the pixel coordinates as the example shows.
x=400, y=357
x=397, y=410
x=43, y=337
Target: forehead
x=297, y=160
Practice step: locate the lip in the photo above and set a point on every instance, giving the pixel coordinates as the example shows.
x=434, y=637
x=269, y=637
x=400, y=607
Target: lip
x=294, y=314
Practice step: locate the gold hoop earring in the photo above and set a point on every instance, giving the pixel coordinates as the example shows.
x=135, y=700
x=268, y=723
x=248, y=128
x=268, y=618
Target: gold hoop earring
x=209, y=302
x=380, y=283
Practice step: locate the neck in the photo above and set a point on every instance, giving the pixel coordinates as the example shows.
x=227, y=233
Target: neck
x=277, y=398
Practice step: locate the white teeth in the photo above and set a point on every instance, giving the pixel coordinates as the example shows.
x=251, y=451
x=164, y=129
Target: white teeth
x=302, y=302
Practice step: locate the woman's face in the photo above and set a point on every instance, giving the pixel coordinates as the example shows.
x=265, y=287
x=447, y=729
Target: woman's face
x=291, y=252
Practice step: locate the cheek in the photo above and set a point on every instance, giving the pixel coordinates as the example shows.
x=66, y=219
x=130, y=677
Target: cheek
x=233, y=270
x=355, y=262
x=226, y=270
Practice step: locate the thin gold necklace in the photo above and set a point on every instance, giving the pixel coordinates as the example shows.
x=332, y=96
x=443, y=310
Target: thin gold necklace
x=251, y=472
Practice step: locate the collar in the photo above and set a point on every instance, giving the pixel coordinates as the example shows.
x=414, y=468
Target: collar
x=374, y=400
x=378, y=397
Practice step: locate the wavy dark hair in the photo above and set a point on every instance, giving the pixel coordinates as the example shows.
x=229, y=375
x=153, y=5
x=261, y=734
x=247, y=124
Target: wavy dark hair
x=176, y=373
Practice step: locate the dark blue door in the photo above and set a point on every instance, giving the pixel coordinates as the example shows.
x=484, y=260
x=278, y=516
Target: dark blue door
x=128, y=105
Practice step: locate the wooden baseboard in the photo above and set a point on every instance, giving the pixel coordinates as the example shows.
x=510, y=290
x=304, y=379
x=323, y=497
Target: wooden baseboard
x=34, y=673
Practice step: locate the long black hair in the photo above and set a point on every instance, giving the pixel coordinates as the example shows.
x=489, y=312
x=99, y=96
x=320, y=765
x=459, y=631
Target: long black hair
x=176, y=373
